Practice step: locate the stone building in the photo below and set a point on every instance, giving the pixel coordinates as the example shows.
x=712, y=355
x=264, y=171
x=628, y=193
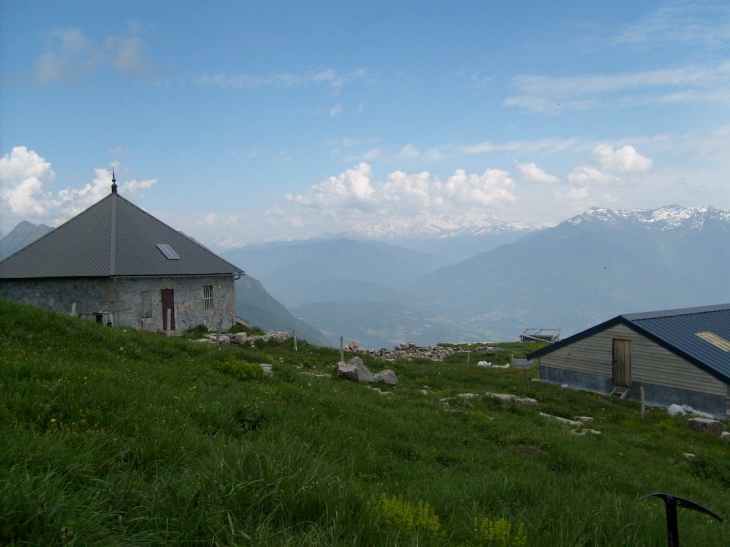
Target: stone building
x=674, y=356
x=116, y=264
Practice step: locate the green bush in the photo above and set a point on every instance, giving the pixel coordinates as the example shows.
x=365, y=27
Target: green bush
x=240, y=370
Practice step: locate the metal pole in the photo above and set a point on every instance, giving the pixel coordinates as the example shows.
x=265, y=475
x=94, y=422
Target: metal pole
x=672, y=502
x=342, y=349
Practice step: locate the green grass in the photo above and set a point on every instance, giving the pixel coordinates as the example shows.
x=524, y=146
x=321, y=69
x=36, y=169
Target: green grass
x=110, y=436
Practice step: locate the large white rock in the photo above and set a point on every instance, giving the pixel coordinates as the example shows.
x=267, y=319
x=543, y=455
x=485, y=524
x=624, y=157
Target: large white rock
x=354, y=370
x=387, y=376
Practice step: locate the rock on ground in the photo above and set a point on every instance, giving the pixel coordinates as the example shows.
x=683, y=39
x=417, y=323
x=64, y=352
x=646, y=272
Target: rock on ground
x=354, y=370
x=704, y=424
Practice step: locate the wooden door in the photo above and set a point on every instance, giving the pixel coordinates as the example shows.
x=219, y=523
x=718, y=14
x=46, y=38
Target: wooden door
x=168, y=303
x=621, y=363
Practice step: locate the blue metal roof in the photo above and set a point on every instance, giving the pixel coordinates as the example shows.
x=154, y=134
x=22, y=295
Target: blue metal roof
x=699, y=335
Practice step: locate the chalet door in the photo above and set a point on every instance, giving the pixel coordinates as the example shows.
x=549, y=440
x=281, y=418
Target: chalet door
x=168, y=303
x=622, y=363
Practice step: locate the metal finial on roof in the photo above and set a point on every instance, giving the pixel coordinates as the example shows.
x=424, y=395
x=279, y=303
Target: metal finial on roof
x=114, y=183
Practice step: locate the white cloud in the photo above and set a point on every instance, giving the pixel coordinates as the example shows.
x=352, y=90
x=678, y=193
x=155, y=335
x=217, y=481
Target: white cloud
x=578, y=193
x=530, y=172
x=335, y=110
x=218, y=220
x=690, y=83
x=684, y=23
x=491, y=188
x=623, y=160
x=26, y=181
x=589, y=175
x=552, y=145
x=74, y=57
x=409, y=152
x=351, y=188
x=279, y=79
x=403, y=193
x=433, y=154
x=372, y=154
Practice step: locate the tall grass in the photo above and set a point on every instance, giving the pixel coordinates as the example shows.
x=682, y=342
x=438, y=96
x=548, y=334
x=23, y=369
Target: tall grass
x=110, y=436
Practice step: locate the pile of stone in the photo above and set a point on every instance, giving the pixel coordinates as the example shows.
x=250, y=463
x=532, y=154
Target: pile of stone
x=407, y=350
x=242, y=338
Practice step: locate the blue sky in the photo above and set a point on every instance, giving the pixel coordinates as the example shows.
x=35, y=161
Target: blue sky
x=242, y=122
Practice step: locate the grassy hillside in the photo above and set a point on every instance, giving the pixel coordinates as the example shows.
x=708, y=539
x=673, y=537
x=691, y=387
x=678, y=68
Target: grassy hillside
x=113, y=437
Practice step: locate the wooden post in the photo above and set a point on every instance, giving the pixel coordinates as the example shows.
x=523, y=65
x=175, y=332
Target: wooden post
x=220, y=328
x=294, y=335
x=342, y=349
x=169, y=313
x=643, y=408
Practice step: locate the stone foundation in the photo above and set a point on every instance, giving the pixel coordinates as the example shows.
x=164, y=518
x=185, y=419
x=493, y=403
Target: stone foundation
x=120, y=299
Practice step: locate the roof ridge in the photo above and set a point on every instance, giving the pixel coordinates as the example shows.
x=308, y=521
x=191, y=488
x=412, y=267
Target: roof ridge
x=113, y=249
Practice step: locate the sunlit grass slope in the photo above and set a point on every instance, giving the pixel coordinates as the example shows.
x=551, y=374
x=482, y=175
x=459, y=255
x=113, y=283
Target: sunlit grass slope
x=113, y=437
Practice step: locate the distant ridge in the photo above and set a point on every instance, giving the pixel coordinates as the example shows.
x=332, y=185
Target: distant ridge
x=669, y=217
x=23, y=234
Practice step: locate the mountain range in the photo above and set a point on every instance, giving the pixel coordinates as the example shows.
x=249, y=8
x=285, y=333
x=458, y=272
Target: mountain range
x=450, y=279
x=570, y=276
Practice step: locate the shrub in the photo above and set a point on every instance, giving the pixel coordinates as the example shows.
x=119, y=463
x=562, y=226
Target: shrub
x=403, y=515
x=489, y=533
x=195, y=333
x=240, y=370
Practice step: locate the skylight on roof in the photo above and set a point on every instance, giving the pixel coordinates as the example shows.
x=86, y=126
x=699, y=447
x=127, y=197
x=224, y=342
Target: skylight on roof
x=717, y=341
x=168, y=251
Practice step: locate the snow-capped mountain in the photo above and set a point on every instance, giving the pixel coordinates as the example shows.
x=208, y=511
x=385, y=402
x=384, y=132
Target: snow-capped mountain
x=427, y=226
x=670, y=217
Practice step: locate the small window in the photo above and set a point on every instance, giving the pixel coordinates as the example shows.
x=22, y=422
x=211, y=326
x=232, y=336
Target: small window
x=145, y=309
x=208, y=297
x=168, y=251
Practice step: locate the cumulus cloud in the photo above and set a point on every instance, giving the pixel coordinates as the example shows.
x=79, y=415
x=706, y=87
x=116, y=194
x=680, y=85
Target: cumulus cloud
x=26, y=188
x=589, y=175
x=623, y=160
x=404, y=193
x=608, y=164
x=73, y=57
x=25, y=182
x=530, y=172
x=335, y=110
x=351, y=188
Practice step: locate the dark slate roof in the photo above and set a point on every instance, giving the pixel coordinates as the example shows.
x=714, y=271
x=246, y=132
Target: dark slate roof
x=112, y=238
x=699, y=335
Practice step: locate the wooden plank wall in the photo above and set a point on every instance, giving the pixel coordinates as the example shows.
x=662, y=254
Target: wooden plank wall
x=650, y=362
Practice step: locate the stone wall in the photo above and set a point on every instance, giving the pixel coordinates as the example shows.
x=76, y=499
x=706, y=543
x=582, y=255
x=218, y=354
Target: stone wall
x=121, y=298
